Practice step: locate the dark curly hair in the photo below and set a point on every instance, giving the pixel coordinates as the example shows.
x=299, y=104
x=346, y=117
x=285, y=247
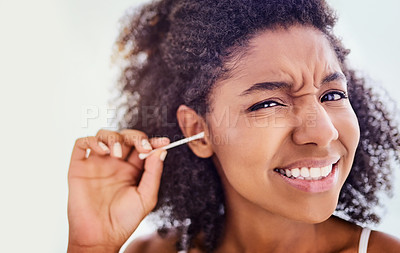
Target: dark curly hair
x=172, y=52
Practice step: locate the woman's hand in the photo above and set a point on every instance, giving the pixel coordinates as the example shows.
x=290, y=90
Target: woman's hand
x=111, y=190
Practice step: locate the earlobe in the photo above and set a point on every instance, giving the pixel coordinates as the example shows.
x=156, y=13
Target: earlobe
x=190, y=124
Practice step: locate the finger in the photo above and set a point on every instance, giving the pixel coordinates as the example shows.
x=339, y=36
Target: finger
x=150, y=181
x=159, y=142
x=79, y=150
x=137, y=139
x=81, y=146
x=155, y=143
x=114, y=141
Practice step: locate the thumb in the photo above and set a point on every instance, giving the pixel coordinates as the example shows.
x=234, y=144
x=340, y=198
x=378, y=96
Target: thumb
x=150, y=181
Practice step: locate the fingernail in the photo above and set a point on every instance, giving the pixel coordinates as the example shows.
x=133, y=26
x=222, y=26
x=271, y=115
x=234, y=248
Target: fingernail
x=146, y=144
x=163, y=155
x=117, y=150
x=142, y=156
x=103, y=147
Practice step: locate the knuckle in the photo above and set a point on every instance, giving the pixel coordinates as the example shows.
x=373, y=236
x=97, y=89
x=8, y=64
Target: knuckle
x=102, y=132
x=108, y=136
x=133, y=132
x=132, y=136
x=153, y=139
x=83, y=141
x=129, y=131
x=130, y=140
x=111, y=138
x=90, y=139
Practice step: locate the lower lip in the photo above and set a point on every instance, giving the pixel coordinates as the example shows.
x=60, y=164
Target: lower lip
x=314, y=186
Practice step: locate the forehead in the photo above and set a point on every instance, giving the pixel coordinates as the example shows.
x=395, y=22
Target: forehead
x=284, y=51
x=296, y=55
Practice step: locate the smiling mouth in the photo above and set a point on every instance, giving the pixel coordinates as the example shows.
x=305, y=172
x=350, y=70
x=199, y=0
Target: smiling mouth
x=307, y=173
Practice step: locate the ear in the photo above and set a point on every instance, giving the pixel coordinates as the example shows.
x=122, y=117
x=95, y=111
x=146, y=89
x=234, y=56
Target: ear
x=191, y=123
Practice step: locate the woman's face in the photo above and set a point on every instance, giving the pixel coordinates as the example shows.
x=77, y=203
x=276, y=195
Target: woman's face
x=285, y=106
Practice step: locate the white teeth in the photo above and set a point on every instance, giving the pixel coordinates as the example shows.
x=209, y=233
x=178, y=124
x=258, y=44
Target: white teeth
x=295, y=172
x=315, y=172
x=304, y=172
x=312, y=173
x=326, y=170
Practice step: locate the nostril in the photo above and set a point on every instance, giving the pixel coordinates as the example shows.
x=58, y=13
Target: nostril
x=317, y=131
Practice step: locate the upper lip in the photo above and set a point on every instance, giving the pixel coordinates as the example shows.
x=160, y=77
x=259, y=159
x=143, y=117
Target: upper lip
x=312, y=163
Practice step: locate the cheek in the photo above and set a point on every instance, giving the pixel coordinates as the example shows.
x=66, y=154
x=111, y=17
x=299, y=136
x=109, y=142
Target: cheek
x=349, y=131
x=248, y=147
x=349, y=134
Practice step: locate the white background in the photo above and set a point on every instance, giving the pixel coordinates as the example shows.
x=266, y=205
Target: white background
x=55, y=65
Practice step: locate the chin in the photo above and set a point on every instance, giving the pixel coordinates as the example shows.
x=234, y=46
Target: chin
x=314, y=213
x=313, y=219
x=319, y=219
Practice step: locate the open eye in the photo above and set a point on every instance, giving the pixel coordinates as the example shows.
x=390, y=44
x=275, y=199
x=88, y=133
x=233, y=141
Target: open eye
x=265, y=104
x=334, y=96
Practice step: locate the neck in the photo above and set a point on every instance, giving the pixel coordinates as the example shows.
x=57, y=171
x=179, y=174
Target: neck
x=250, y=229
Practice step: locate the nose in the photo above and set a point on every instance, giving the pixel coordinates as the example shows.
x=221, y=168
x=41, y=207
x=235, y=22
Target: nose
x=315, y=126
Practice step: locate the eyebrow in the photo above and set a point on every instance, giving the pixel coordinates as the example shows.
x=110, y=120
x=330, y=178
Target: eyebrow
x=284, y=85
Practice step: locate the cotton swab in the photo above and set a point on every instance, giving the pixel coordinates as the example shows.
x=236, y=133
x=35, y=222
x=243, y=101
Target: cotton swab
x=174, y=144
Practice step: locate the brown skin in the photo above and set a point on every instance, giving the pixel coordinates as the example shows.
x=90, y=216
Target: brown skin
x=109, y=195
x=263, y=213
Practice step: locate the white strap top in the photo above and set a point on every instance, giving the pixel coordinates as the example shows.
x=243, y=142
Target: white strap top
x=363, y=245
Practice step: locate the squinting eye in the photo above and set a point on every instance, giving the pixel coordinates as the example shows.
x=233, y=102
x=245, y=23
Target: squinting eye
x=265, y=104
x=333, y=96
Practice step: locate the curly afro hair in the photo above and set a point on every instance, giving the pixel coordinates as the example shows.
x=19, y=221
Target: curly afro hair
x=173, y=51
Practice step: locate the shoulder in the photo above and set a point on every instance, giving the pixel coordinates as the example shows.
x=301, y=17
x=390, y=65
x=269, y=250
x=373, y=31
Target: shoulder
x=346, y=238
x=382, y=242
x=154, y=243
